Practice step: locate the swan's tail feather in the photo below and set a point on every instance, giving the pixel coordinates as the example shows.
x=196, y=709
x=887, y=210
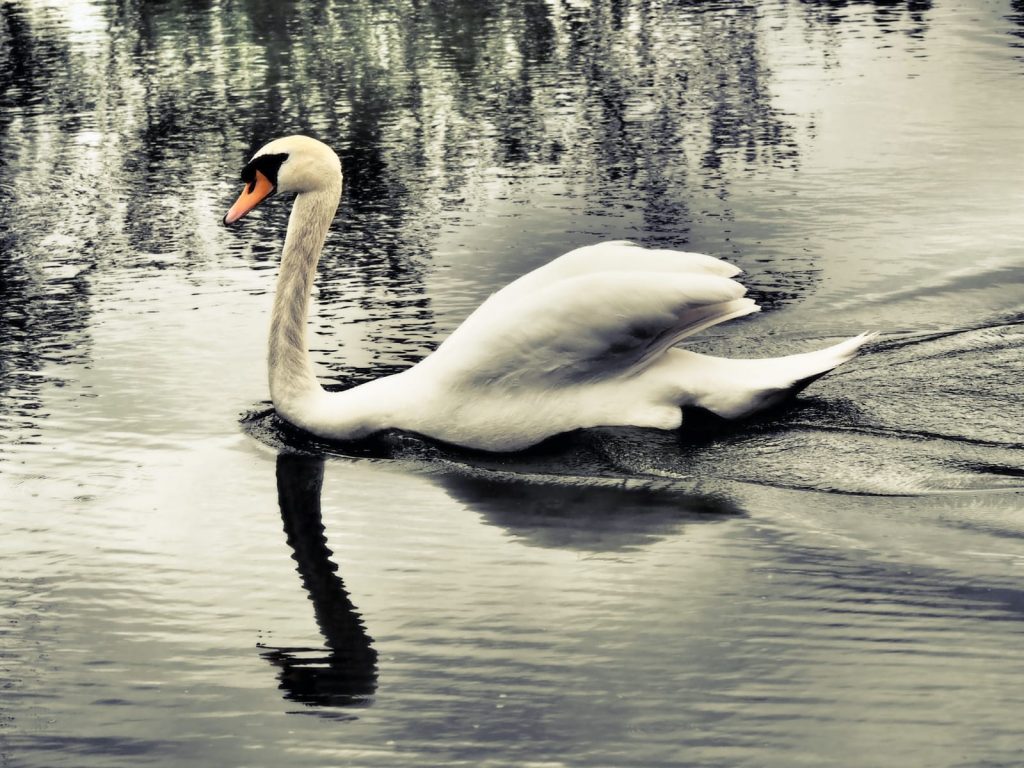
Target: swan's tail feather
x=829, y=359
x=737, y=388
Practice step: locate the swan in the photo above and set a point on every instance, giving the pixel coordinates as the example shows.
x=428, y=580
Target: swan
x=587, y=340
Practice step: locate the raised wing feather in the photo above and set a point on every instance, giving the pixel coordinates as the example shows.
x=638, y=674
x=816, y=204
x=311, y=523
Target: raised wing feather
x=585, y=327
x=616, y=256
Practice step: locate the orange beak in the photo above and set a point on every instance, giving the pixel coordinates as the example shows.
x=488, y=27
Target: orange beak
x=252, y=195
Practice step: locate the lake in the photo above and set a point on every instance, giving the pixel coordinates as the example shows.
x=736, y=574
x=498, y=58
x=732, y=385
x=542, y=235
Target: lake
x=186, y=580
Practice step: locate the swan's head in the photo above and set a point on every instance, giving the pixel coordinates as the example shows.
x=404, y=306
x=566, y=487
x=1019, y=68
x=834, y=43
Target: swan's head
x=291, y=164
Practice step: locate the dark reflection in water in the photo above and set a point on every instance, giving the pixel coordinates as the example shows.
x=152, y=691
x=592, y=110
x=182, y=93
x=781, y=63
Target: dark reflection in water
x=1017, y=17
x=591, y=518
x=43, y=305
x=888, y=15
x=346, y=675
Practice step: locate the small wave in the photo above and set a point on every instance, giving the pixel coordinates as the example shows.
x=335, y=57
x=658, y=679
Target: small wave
x=981, y=275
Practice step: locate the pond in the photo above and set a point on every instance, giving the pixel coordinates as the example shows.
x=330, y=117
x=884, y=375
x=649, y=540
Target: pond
x=184, y=580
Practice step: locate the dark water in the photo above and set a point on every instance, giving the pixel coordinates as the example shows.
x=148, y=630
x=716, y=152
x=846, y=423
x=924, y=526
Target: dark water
x=183, y=581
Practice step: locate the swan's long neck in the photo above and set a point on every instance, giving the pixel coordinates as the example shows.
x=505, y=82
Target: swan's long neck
x=292, y=380
x=297, y=395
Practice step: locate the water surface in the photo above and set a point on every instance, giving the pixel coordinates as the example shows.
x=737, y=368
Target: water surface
x=185, y=580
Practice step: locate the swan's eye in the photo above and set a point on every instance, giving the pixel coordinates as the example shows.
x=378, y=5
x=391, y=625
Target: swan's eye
x=268, y=165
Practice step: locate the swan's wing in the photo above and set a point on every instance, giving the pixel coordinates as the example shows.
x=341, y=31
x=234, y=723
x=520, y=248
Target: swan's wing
x=584, y=327
x=617, y=256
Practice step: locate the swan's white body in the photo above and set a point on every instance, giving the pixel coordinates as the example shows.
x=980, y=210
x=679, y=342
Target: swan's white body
x=586, y=340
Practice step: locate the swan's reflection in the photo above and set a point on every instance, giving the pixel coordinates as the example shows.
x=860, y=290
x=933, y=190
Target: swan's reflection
x=592, y=518
x=595, y=518
x=344, y=673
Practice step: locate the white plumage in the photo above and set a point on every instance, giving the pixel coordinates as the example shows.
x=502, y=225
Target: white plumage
x=586, y=340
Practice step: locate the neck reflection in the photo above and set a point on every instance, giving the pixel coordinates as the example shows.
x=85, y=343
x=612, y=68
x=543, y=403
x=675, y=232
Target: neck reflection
x=344, y=672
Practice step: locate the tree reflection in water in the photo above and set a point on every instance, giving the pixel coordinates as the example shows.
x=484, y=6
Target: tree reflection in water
x=1017, y=17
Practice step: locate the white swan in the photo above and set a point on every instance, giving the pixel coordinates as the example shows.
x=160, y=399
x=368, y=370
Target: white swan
x=587, y=340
